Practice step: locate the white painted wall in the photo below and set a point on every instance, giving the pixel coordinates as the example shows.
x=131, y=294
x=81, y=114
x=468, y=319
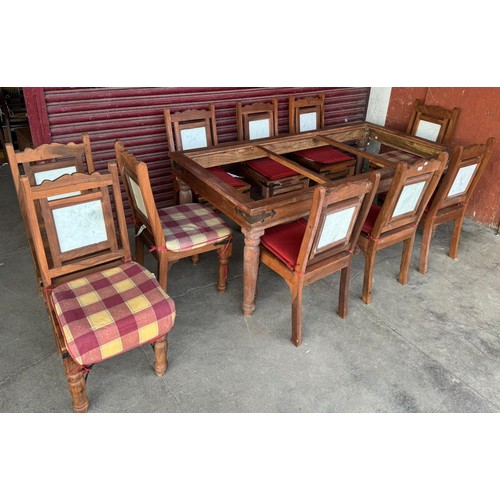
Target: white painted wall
x=378, y=104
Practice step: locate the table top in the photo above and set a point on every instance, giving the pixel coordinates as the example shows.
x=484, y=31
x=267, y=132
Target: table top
x=193, y=168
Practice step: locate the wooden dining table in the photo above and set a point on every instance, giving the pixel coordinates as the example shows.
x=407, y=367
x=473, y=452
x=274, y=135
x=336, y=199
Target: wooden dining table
x=191, y=170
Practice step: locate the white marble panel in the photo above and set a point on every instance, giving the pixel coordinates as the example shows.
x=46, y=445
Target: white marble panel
x=259, y=129
x=308, y=121
x=336, y=227
x=52, y=175
x=139, y=200
x=408, y=198
x=193, y=138
x=80, y=225
x=428, y=130
x=462, y=180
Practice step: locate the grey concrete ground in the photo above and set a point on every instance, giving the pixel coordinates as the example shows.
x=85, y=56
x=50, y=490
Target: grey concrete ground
x=430, y=346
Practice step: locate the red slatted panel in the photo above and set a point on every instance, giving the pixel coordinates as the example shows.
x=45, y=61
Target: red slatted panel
x=135, y=115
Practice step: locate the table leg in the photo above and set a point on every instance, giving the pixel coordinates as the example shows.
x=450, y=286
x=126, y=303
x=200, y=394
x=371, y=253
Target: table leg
x=251, y=255
x=361, y=145
x=185, y=193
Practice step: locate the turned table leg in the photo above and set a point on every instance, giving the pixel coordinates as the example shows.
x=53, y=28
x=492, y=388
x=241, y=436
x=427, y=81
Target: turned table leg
x=251, y=255
x=185, y=193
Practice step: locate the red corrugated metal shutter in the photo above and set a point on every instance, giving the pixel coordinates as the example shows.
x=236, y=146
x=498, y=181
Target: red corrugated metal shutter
x=135, y=115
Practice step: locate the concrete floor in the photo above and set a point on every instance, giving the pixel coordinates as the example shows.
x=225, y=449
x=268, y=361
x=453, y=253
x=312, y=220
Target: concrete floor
x=430, y=346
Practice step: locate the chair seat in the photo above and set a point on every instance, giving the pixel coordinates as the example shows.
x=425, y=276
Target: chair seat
x=228, y=179
x=400, y=156
x=284, y=241
x=112, y=311
x=371, y=218
x=324, y=155
x=191, y=226
x=271, y=169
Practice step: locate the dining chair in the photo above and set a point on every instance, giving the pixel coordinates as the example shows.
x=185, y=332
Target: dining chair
x=308, y=114
x=260, y=121
x=175, y=232
x=100, y=303
x=197, y=128
x=47, y=162
x=396, y=220
x=305, y=251
x=453, y=194
x=430, y=122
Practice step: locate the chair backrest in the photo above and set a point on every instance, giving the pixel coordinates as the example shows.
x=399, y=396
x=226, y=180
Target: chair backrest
x=338, y=212
x=434, y=123
x=306, y=114
x=466, y=166
x=50, y=161
x=135, y=177
x=191, y=129
x=410, y=191
x=80, y=233
x=257, y=121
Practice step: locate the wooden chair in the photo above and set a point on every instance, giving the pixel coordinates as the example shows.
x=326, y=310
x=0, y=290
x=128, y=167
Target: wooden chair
x=259, y=121
x=308, y=114
x=430, y=122
x=193, y=129
x=47, y=162
x=171, y=233
x=397, y=219
x=99, y=301
x=303, y=252
x=453, y=194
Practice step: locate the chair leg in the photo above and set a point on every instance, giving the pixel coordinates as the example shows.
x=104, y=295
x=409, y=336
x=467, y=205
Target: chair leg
x=424, y=249
x=162, y=269
x=455, y=237
x=368, y=277
x=161, y=348
x=224, y=254
x=405, y=260
x=139, y=251
x=297, y=314
x=345, y=276
x=76, y=385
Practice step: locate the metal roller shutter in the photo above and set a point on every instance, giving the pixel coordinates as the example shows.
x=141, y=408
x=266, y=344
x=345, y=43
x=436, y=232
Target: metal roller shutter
x=135, y=115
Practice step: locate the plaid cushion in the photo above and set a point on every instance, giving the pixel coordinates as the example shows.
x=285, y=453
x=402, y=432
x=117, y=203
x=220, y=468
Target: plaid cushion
x=112, y=311
x=400, y=156
x=191, y=225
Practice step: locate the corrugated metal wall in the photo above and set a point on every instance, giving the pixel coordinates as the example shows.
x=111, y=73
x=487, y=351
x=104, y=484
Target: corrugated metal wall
x=135, y=115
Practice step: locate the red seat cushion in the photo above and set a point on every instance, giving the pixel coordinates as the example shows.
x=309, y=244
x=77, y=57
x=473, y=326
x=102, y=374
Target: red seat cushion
x=324, y=154
x=371, y=218
x=284, y=241
x=271, y=169
x=228, y=179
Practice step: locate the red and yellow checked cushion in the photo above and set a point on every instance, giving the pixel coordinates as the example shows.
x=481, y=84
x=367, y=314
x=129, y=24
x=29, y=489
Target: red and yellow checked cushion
x=324, y=155
x=228, y=179
x=271, y=169
x=191, y=225
x=285, y=240
x=400, y=156
x=109, y=312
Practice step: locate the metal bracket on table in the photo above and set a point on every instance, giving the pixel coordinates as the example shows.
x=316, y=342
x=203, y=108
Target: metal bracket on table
x=252, y=219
